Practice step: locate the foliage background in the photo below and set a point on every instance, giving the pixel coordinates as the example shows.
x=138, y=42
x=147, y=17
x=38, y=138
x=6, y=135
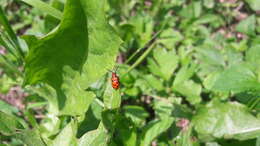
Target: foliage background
x=189, y=72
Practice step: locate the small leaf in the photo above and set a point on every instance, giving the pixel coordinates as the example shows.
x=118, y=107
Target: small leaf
x=170, y=38
x=225, y=120
x=67, y=136
x=247, y=26
x=209, y=3
x=190, y=90
x=253, y=55
x=185, y=138
x=136, y=113
x=254, y=4
x=164, y=63
x=155, y=83
x=185, y=73
x=9, y=124
x=154, y=129
x=30, y=137
x=98, y=137
x=112, y=97
x=163, y=108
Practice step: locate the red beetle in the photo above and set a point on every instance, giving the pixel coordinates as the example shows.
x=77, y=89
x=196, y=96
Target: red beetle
x=115, y=81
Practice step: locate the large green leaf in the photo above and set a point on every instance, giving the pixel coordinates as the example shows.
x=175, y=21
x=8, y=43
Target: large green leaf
x=9, y=124
x=225, y=120
x=67, y=46
x=66, y=51
x=103, y=42
x=237, y=78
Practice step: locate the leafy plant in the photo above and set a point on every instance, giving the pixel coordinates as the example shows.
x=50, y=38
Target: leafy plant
x=189, y=73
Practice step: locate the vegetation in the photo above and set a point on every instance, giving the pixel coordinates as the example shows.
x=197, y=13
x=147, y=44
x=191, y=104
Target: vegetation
x=189, y=72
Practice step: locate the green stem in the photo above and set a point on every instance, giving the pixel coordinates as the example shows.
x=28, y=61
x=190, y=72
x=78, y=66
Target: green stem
x=145, y=46
x=141, y=58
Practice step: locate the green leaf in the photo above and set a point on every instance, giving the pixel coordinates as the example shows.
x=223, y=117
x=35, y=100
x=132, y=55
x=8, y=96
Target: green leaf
x=49, y=94
x=154, y=82
x=185, y=73
x=247, y=26
x=190, y=90
x=136, y=113
x=50, y=125
x=126, y=131
x=51, y=22
x=111, y=97
x=97, y=137
x=209, y=3
x=163, y=108
x=253, y=55
x=236, y=78
x=208, y=54
x=254, y=4
x=154, y=129
x=210, y=80
x=170, y=38
x=193, y=10
x=225, y=120
x=67, y=136
x=9, y=124
x=164, y=63
x=30, y=137
x=7, y=108
x=62, y=71
x=103, y=48
x=75, y=95
x=49, y=55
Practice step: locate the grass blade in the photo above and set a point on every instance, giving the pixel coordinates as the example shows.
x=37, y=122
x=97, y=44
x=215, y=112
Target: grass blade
x=11, y=34
x=45, y=8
